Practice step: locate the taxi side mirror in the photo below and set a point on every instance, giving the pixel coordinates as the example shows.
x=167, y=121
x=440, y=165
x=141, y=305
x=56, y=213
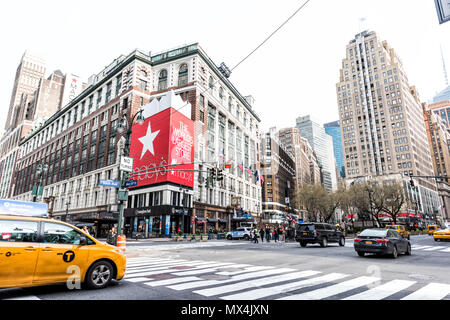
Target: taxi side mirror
x=83, y=240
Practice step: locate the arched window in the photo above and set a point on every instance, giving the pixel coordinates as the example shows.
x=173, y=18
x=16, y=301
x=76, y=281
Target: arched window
x=221, y=93
x=143, y=74
x=229, y=104
x=162, y=81
x=183, y=75
x=211, y=82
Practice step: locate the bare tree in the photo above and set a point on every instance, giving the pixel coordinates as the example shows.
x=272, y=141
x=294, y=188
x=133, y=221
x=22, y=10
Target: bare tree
x=394, y=199
x=310, y=197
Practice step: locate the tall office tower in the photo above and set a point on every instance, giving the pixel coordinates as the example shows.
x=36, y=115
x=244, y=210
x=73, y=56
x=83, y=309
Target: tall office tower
x=441, y=108
x=322, y=145
x=439, y=141
x=381, y=118
x=334, y=130
x=28, y=76
x=278, y=188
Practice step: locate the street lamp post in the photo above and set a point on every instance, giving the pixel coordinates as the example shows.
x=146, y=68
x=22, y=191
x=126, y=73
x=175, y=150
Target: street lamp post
x=122, y=176
x=67, y=210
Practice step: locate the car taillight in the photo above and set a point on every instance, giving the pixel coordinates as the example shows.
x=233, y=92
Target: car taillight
x=382, y=241
x=357, y=240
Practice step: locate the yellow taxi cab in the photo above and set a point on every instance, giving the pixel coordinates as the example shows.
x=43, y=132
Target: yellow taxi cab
x=431, y=228
x=400, y=229
x=40, y=251
x=442, y=234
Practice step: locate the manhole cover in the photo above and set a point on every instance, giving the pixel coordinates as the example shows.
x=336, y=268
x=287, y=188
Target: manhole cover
x=420, y=276
x=161, y=276
x=214, y=277
x=181, y=267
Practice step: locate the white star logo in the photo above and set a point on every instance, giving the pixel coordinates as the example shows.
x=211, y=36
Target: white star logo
x=147, y=140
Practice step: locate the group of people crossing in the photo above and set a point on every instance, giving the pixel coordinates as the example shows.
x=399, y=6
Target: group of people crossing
x=268, y=233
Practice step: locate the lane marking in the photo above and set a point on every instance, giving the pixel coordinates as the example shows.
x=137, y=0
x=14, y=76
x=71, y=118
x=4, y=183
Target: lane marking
x=255, y=283
x=333, y=290
x=382, y=291
x=434, y=248
x=248, y=269
x=235, y=278
x=432, y=291
x=171, y=281
x=271, y=291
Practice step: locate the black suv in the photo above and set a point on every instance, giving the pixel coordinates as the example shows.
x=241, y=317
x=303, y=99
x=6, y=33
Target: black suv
x=315, y=232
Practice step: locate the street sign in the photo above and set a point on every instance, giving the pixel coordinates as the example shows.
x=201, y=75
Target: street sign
x=123, y=194
x=126, y=164
x=443, y=10
x=110, y=183
x=131, y=183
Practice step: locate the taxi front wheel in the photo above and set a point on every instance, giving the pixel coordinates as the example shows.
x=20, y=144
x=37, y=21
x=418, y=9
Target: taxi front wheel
x=99, y=275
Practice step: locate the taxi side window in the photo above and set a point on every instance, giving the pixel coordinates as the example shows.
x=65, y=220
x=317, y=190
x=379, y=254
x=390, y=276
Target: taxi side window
x=61, y=234
x=18, y=231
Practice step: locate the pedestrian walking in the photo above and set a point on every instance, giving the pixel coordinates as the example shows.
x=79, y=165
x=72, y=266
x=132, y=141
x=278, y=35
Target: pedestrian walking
x=255, y=235
x=85, y=229
x=268, y=234
x=275, y=234
x=111, y=237
x=261, y=233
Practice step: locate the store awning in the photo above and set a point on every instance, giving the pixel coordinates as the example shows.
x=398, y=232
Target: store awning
x=222, y=221
x=212, y=220
x=200, y=219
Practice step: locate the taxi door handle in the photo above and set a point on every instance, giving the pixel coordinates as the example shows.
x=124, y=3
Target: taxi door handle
x=47, y=249
x=30, y=249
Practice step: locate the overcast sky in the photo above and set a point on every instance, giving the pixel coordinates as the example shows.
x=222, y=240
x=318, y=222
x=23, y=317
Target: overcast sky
x=293, y=74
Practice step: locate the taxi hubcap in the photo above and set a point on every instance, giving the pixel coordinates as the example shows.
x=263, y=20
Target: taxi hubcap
x=101, y=274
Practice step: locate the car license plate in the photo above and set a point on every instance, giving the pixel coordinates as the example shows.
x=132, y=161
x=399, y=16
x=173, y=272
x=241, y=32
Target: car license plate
x=368, y=242
x=305, y=233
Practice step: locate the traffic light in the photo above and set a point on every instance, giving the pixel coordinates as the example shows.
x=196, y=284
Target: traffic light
x=411, y=182
x=219, y=175
x=213, y=174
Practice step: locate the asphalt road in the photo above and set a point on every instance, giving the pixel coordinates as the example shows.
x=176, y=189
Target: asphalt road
x=270, y=270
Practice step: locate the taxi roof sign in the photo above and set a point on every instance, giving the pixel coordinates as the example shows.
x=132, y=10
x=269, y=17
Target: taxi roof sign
x=23, y=208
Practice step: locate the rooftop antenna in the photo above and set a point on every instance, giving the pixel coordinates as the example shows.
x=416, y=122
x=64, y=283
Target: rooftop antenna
x=361, y=20
x=445, y=70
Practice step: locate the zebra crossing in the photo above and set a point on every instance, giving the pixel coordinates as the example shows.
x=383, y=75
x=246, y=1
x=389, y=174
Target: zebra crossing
x=236, y=281
x=184, y=245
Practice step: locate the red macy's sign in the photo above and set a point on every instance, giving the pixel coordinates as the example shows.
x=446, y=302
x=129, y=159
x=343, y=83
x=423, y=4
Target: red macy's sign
x=166, y=138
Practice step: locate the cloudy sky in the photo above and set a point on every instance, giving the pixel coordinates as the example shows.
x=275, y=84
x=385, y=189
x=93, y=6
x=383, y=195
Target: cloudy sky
x=293, y=74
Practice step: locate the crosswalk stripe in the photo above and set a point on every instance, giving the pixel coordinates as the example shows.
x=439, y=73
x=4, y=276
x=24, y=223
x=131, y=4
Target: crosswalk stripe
x=149, y=265
x=166, y=282
x=434, y=248
x=249, y=269
x=222, y=265
x=205, y=283
x=270, y=291
x=142, y=279
x=167, y=266
x=143, y=259
x=333, y=290
x=148, y=262
x=432, y=291
x=24, y=298
x=382, y=291
x=149, y=273
x=253, y=283
x=420, y=247
x=446, y=250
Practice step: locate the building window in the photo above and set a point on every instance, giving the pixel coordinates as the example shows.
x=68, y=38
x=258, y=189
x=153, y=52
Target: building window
x=183, y=75
x=162, y=81
x=143, y=85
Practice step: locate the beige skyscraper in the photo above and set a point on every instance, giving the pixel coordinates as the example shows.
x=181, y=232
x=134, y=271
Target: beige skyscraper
x=382, y=127
x=28, y=76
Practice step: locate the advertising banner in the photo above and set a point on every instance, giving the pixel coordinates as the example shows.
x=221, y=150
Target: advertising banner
x=150, y=225
x=163, y=142
x=23, y=208
x=167, y=225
